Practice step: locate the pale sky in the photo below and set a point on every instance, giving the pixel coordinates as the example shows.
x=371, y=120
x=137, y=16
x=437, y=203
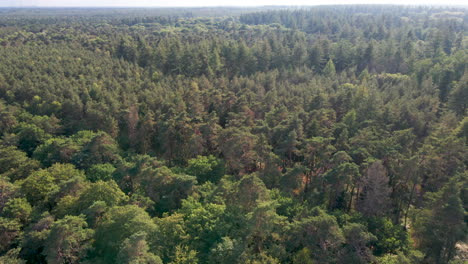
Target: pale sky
x=178, y=3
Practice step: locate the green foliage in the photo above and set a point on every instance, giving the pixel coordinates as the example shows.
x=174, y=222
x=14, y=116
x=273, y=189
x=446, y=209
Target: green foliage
x=15, y=164
x=68, y=240
x=183, y=255
x=412, y=257
x=19, y=209
x=204, y=222
x=329, y=69
x=226, y=135
x=170, y=234
x=357, y=244
x=100, y=172
x=9, y=191
x=391, y=238
x=30, y=136
x=11, y=257
x=206, y=168
x=101, y=149
x=441, y=225
x=136, y=250
x=44, y=184
x=34, y=241
x=166, y=188
x=462, y=130
x=459, y=96
x=303, y=256
x=237, y=148
x=107, y=192
x=117, y=225
x=227, y=250
x=10, y=230
x=39, y=186
x=318, y=232
x=55, y=150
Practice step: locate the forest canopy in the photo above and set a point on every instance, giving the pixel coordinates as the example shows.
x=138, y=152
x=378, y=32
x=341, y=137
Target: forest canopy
x=329, y=134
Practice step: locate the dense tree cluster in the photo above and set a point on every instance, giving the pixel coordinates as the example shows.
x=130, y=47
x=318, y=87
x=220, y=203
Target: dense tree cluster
x=318, y=135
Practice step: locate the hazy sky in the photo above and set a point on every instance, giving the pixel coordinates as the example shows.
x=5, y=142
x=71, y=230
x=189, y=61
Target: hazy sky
x=167, y=3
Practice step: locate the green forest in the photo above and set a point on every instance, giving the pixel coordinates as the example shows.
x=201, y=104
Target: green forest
x=315, y=135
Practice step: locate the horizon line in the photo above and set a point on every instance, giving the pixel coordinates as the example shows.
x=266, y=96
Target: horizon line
x=238, y=6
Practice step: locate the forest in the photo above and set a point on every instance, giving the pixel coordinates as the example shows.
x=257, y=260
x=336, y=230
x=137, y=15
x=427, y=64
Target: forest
x=314, y=135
